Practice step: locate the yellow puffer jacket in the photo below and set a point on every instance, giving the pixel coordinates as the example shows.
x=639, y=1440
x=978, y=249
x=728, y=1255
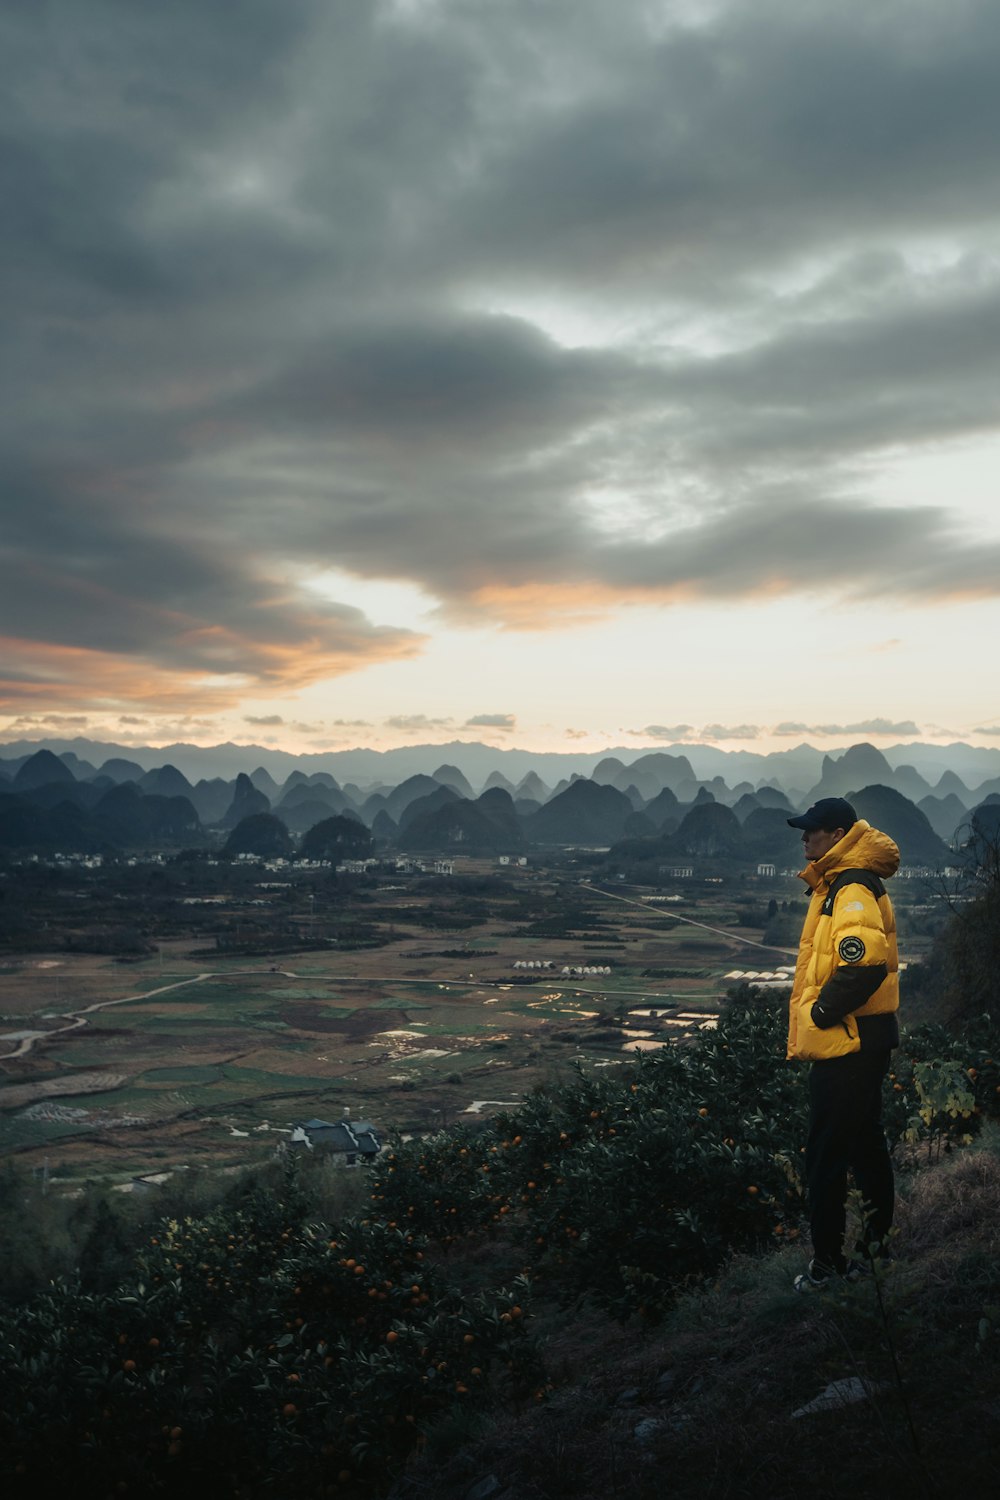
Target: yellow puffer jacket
x=847, y=954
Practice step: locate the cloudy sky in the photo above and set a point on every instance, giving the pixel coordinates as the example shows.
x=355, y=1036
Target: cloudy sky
x=547, y=372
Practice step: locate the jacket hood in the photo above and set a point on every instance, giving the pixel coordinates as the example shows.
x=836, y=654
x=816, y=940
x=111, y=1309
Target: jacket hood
x=862, y=848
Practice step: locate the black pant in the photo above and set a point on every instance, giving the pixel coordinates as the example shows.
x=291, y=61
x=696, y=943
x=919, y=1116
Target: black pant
x=845, y=1134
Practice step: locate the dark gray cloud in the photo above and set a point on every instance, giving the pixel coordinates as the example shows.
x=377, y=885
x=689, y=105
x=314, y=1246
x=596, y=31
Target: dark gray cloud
x=687, y=733
x=680, y=734
x=767, y=124
x=504, y=722
x=665, y=732
x=289, y=288
x=865, y=726
x=415, y=723
x=730, y=731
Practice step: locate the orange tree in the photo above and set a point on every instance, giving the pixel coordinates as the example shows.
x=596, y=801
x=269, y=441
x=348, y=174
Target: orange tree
x=626, y=1187
x=945, y=1082
x=252, y=1354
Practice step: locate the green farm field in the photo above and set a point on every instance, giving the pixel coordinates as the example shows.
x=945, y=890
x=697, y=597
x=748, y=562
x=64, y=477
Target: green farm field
x=209, y=1058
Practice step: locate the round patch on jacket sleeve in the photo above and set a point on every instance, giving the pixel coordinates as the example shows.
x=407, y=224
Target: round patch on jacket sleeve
x=851, y=950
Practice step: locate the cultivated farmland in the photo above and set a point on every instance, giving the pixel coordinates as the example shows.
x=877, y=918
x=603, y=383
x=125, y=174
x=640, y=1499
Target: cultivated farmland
x=196, y=1054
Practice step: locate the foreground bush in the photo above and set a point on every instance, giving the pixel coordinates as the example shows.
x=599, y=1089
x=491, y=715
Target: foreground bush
x=252, y=1349
x=626, y=1188
x=251, y=1356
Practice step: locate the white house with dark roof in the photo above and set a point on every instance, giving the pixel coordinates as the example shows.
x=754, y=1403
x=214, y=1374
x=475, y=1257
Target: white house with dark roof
x=348, y=1142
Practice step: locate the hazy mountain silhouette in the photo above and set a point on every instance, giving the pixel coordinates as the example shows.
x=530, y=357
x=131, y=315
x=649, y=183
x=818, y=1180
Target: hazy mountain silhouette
x=458, y=826
x=771, y=796
x=767, y=838
x=984, y=820
x=53, y=792
x=420, y=807
x=903, y=821
x=301, y=816
x=950, y=785
x=384, y=827
x=799, y=767
x=584, y=813
x=247, y=801
x=861, y=765
x=709, y=830
x=945, y=814
x=372, y=806
x=128, y=817
x=650, y=773
x=452, y=776
x=664, y=809
x=908, y=780
x=265, y=782
x=323, y=778
x=27, y=827
x=262, y=834
x=408, y=791
x=165, y=781
x=85, y=794
x=336, y=838
x=498, y=779
x=83, y=770
x=746, y=804
x=121, y=770
x=606, y=770
x=330, y=797
x=498, y=806
x=532, y=787
x=42, y=769
x=212, y=799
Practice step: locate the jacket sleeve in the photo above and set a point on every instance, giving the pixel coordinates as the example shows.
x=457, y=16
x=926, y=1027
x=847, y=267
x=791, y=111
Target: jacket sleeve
x=859, y=943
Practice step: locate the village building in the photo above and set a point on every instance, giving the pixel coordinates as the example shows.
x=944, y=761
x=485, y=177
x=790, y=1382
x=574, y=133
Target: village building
x=347, y=1142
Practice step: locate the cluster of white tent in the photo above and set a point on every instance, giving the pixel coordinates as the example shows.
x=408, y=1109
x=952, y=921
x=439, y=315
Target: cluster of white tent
x=567, y=969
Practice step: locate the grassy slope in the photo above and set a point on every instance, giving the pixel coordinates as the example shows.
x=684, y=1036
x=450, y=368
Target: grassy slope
x=720, y=1379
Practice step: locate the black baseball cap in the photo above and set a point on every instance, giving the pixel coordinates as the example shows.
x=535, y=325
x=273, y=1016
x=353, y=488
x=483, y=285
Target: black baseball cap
x=828, y=813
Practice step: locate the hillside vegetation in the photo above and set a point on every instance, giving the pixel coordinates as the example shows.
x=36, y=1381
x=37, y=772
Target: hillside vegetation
x=259, y=1347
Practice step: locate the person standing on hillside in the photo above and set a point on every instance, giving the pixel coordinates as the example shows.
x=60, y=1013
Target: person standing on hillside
x=843, y=1020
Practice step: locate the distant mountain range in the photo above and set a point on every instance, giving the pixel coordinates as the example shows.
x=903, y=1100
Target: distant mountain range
x=656, y=802
x=798, y=768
